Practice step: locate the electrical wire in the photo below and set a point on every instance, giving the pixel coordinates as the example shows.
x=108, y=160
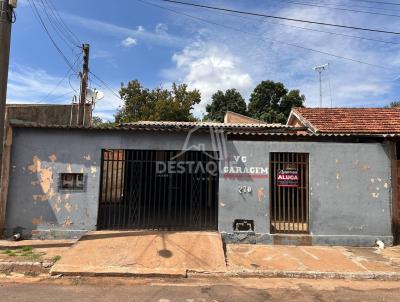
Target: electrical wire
x=315, y=30
x=70, y=85
x=356, y=6
x=341, y=8
x=12, y=17
x=41, y=21
x=269, y=39
x=56, y=27
x=67, y=75
x=376, y=2
x=278, y=17
x=333, y=33
x=105, y=85
x=62, y=23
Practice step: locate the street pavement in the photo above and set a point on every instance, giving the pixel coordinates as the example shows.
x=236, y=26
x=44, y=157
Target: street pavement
x=193, y=290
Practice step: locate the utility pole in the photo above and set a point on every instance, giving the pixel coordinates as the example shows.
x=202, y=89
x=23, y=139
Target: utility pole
x=320, y=69
x=84, y=84
x=6, y=19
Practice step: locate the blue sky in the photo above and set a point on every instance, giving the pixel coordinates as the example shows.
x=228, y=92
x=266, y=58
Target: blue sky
x=133, y=40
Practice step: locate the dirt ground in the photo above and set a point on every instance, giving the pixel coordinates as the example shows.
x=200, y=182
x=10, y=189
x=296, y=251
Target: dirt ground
x=21, y=288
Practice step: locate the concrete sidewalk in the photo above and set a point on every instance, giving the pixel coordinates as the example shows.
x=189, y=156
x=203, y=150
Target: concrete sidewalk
x=172, y=254
x=313, y=262
x=143, y=253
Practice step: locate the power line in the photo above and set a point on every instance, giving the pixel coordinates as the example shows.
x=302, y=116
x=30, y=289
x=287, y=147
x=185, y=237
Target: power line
x=319, y=30
x=56, y=27
x=105, y=85
x=356, y=6
x=62, y=23
x=41, y=21
x=341, y=9
x=269, y=39
x=66, y=76
x=334, y=33
x=56, y=19
x=376, y=2
x=281, y=18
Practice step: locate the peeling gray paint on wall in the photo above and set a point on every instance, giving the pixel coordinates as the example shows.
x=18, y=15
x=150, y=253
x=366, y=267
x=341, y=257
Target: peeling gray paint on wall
x=39, y=155
x=350, y=198
x=350, y=192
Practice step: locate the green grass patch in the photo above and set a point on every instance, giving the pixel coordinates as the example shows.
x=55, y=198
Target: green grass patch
x=10, y=253
x=27, y=252
x=56, y=258
x=33, y=256
x=27, y=249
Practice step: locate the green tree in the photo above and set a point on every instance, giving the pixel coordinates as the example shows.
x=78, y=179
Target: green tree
x=222, y=102
x=99, y=122
x=143, y=104
x=272, y=102
x=395, y=104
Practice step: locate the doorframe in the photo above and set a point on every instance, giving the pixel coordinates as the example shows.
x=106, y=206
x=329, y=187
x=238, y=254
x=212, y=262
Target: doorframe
x=307, y=195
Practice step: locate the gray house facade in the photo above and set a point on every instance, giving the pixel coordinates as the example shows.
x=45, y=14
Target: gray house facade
x=264, y=184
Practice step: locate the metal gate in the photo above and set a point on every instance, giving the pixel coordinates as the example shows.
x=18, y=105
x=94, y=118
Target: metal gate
x=149, y=189
x=289, y=193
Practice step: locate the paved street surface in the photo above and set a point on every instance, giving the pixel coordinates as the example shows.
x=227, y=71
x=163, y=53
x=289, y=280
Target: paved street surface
x=193, y=290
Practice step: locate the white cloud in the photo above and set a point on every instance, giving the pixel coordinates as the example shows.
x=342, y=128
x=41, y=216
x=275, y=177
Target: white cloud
x=161, y=28
x=105, y=28
x=128, y=42
x=101, y=54
x=33, y=86
x=28, y=85
x=251, y=54
x=209, y=68
x=107, y=107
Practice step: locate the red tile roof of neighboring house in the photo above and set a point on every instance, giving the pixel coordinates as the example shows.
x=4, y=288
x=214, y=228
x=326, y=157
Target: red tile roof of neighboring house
x=349, y=120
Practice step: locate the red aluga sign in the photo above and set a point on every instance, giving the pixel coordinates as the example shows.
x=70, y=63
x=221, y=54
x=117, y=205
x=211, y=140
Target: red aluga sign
x=288, y=178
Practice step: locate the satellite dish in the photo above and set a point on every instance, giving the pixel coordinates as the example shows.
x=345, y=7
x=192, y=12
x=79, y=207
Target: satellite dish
x=99, y=95
x=93, y=95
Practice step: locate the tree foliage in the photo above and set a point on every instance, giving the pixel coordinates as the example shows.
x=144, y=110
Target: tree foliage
x=143, y=104
x=222, y=102
x=272, y=102
x=395, y=104
x=99, y=122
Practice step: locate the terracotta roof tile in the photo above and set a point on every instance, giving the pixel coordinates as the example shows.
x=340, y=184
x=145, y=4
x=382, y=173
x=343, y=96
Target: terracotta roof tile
x=351, y=120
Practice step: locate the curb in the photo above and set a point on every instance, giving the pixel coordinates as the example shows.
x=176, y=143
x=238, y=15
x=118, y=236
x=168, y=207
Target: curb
x=381, y=276
x=116, y=274
x=35, y=246
x=25, y=267
x=67, y=270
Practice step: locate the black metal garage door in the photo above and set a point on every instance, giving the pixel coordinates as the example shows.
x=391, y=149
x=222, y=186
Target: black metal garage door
x=142, y=189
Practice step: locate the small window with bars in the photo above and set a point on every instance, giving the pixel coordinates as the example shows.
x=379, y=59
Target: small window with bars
x=72, y=182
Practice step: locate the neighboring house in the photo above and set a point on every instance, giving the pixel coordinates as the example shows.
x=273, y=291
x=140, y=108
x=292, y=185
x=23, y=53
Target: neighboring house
x=252, y=182
x=371, y=121
x=232, y=117
x=47, y=114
